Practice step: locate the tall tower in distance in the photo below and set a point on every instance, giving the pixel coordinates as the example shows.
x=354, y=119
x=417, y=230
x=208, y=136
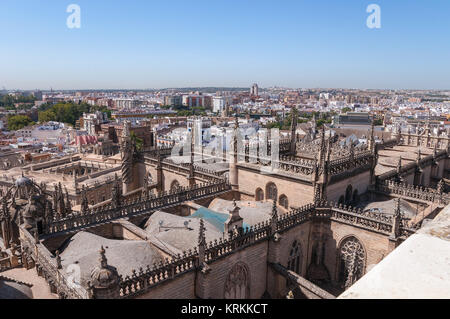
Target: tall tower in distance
x=254, y=90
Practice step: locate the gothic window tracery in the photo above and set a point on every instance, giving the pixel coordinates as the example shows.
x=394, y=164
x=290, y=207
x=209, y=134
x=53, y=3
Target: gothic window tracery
x=237, y=285
x=352, y=258
x=271, y=191
x=284, y=201
x=295, y=258
x=174, y=185
x=259, y=195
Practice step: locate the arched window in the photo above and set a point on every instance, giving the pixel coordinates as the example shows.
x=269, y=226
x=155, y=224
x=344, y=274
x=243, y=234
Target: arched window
x=348, y=194
x=283, y=200
x=352, y=259
x=271, y=191
x=295, y=258
x=237, y=285
x=174, y=186
x=259, y=195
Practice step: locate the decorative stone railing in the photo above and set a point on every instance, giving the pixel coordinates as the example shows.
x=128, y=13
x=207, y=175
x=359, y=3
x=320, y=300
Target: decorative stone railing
x=341, y=165
x=134, y=208
x=414, y=192
x=388, y=143
x=163, y=152
x=142, y=281
x=47, y=267
x=412, y=166
x=5, y=264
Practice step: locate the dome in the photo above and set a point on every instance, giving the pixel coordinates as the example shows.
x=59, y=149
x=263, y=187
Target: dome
x=23, y=181
x=104, y=276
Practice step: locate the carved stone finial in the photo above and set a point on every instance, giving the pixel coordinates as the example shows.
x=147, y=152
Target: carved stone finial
x=441, y=187
x=201, y=233
x=274, y=210
x=58, y=260
x=103, y=260
x=397, y=211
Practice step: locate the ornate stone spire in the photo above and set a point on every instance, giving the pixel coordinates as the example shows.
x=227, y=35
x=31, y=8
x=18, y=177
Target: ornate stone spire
x=441, y=187
x=233, y=170
x=371, y=143
x=84, y=201
x=204, y=268
x=5, y=210
x=126, y=149
x=274, y=209
x=105, y=279
x=399, y=165
x=201, y=233
x=234, y=219
x=235, y=135
x=116, y=192
x=191, y=176
x=68, y=205
x=352, y=150
x=75, y=182
x=323, y=146
x=397, y=219
x=294, y=130
x=103, y=260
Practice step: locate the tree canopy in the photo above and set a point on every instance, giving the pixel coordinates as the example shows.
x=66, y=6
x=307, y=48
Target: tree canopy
x=17, y=122
x=67, y=112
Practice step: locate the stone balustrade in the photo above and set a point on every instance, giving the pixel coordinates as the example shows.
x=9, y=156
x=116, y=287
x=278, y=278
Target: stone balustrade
x=47, y=267
x=142, y=281
x=430, y=195
x=134, y=207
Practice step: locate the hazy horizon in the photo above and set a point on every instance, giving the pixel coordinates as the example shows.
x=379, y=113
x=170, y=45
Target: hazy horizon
x=174, y=44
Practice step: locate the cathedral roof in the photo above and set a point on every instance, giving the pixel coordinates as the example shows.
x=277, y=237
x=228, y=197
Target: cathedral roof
x=178, y=232
x=252, y=212
x=387, y=207
x=124, y=255
x=12, y=289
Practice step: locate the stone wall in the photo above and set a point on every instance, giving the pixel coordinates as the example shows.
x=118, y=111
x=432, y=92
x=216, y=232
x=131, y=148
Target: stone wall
x=298, y=193
x=253, y=257
x=182, y=287
x=376, y=246
x=359, y=182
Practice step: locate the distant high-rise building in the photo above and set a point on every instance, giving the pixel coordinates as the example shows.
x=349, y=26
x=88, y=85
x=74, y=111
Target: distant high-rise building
x=173, y=100
x=254, y=91
x=37, y=95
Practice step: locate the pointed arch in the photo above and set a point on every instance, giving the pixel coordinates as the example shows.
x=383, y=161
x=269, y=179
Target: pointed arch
x=259, y=195
x=284, y=202
x=351, y=261
x=271, y=191
x=295, y=258
x=237, y=285
x=174, y=185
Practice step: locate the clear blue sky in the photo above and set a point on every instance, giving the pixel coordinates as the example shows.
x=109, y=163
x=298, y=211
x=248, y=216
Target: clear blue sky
x=181, y=43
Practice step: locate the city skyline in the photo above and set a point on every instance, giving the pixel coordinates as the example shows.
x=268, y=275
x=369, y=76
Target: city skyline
x=141, y=45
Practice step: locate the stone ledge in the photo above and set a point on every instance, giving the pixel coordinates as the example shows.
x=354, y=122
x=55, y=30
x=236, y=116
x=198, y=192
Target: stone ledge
x=418, y=269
